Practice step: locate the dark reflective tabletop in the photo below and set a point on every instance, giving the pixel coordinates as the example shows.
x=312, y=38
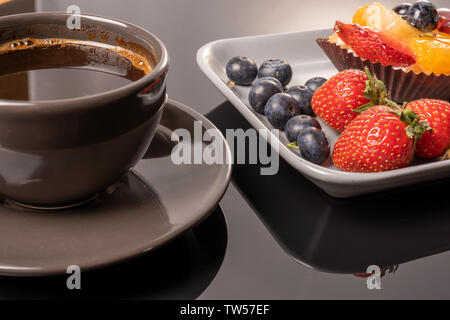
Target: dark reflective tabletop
x=283, y=238
x=342, y=235
x=183, y=269
x=405, y=232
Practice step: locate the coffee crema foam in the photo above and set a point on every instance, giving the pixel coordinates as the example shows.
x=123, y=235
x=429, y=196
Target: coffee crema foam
x=138, y=61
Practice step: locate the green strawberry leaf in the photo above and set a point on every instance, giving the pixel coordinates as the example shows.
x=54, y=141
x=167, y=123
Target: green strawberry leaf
x=416, y=128
x=292, y=145
x=377, y=93
x=364, y=107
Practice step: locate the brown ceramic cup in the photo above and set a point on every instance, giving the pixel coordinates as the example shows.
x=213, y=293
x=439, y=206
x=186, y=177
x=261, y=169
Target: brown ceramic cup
x=61, y=152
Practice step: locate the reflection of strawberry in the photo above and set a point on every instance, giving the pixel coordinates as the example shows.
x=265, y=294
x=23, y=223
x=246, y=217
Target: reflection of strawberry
x=392, y=270
x=374, y=46
x=437, y=113
x=380, y=139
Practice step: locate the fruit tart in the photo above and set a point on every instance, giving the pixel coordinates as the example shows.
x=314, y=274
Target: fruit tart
x=408, y=48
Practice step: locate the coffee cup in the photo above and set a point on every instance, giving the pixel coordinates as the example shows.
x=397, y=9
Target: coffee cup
x=63, y=152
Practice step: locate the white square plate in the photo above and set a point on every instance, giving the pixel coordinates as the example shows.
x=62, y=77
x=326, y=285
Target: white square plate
x=307, y=61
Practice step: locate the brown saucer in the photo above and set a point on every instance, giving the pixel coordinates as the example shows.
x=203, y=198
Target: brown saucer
x=148, y=207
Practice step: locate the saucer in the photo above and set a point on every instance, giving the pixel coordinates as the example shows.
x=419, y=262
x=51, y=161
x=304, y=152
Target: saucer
x=151, y=205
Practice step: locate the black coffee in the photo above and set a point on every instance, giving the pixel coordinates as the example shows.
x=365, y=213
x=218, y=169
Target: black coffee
x=36, y=69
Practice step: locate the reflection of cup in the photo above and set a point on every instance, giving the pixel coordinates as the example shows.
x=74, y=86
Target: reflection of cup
x=58, y=152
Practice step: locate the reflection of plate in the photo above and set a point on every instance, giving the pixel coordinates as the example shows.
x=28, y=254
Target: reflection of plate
x=182, y=269
x=307, y=60
x=151, y=205
x=342, y=235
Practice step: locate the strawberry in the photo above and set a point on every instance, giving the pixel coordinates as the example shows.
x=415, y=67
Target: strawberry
x=335, y=101
x=445, y=28
x=437, y=113
x=374, y=46
x=381, y=138
x=444, y=18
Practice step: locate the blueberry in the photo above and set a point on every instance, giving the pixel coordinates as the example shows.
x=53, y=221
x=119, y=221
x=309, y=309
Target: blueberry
x=423, y=15
x=280, y=108
x=402, y=9
x=242, y=70
x=297, y=124
x=272, y=79
x=313, y=145
x=276, y=68
x=303, y=95
x=315, y=83
x=261, y=92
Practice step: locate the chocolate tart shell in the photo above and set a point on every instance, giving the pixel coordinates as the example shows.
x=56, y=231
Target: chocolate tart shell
x=404, y=86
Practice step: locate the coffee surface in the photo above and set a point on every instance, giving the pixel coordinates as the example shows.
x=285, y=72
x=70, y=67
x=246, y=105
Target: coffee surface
x=46, y=69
